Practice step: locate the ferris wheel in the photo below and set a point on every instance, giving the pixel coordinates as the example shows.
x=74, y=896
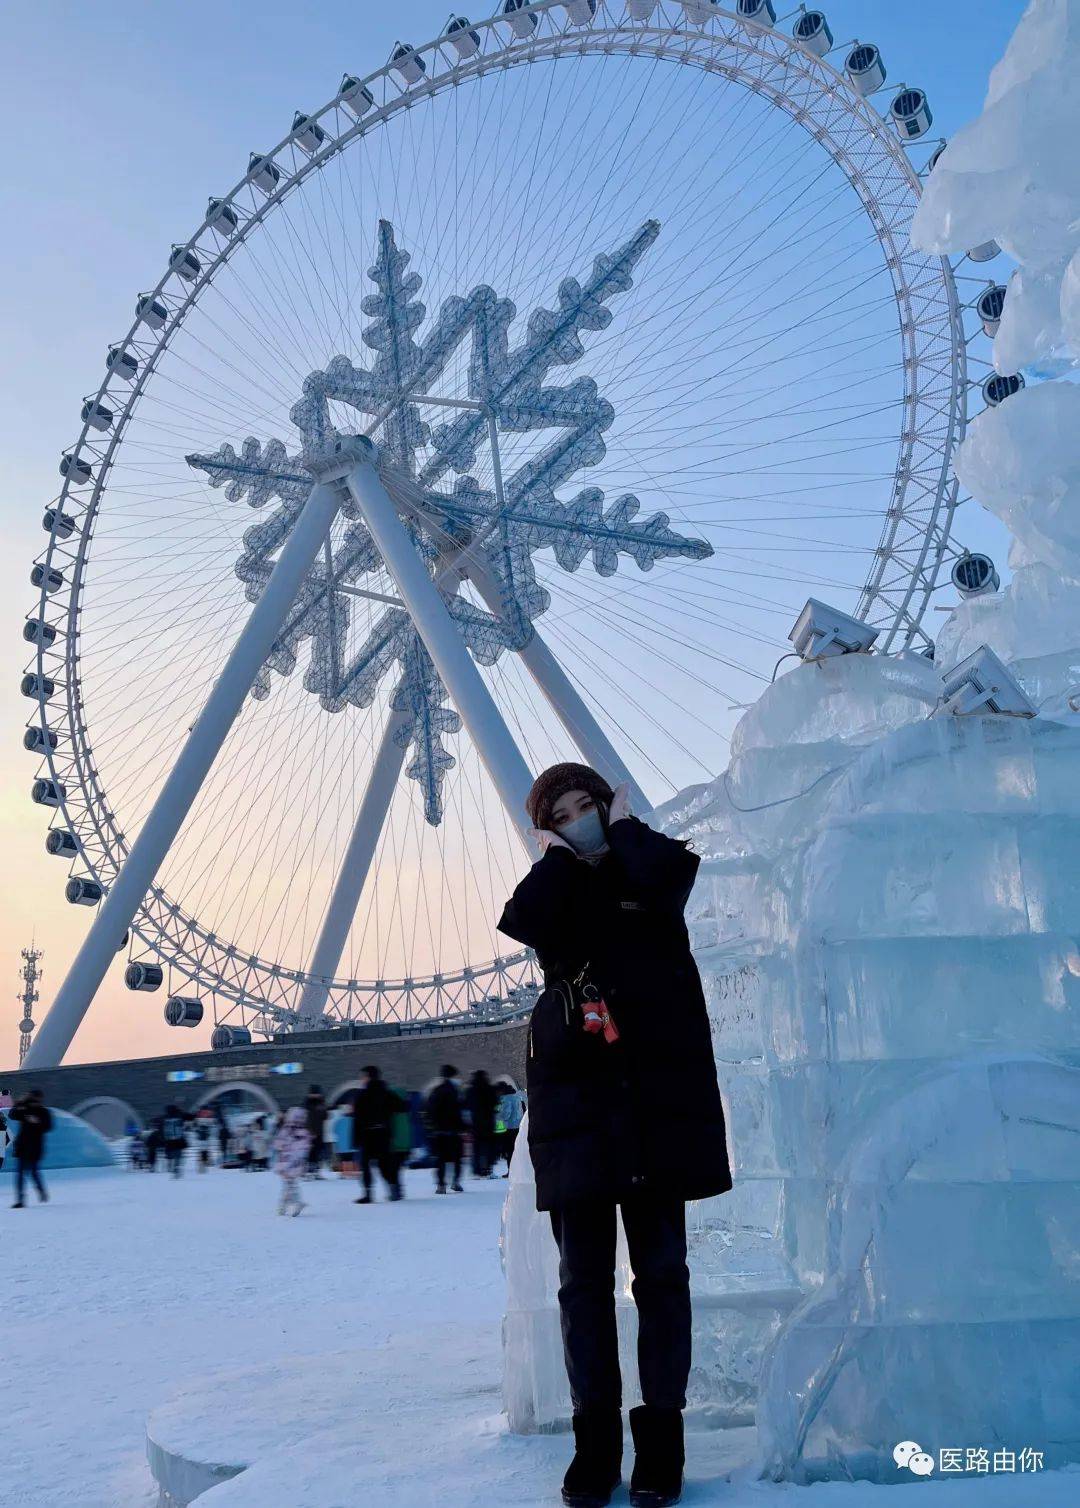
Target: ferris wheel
x=502, y=412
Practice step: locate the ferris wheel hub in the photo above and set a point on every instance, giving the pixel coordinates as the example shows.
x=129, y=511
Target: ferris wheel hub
x=333, y=461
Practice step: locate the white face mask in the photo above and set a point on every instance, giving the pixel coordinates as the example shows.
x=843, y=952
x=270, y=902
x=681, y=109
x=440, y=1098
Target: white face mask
x=585, y=834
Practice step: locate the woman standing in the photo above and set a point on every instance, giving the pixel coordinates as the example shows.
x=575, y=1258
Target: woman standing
x=624, y=1109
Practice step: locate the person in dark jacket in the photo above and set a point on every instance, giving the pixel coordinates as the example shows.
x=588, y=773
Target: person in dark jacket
x=34, y=1120
x=174, y=1131
x=155, y=1142
x=624, y=1110
x=445, y=1123
x=316, y=1111
x=480, y=1101
x=374, y=1109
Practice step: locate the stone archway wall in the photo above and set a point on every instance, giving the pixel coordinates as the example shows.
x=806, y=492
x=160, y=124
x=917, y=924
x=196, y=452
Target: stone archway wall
x=256, y=1091
x=411, y=1060
x=111, y=1126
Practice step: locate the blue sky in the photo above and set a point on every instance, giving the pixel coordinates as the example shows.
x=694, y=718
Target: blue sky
x=127, y=117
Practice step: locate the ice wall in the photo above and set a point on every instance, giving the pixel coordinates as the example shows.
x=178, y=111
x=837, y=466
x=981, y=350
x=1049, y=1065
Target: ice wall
x=1013, y=175
x=928, y=1109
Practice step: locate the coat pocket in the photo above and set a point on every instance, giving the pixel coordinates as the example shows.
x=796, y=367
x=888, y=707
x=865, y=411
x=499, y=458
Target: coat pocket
x=557, y=1042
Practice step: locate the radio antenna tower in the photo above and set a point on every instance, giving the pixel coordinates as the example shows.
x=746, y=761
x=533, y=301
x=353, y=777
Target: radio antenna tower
x=30, y=975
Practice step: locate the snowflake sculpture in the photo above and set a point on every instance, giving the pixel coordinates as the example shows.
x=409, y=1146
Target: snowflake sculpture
x=510, y=384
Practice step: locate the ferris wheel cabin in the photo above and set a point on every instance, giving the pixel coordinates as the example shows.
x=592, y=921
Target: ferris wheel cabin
x=354, y=96
x=184, y=263
x=408, y=62
x=95, y=414
x=60, y=841
x=579, y=12
x=76, y=468
x=46, y=576
x=82, y=892
x=37, y=740
x=47, y=793
x=150, y=311
x=519, y=18
x=263, y=173
x=122, y=364
x=989, y=307
x=221, y=217
x=144, y=976
x=37, y=631
x=865, y=68
x=911, y=114
x=761, y=12
x=224, y=1037
x=465, y=40
x=183, y=1010
x=997, y=388
x=39, y=687
x=812, y=31
x=60, y=524
x=307, y=133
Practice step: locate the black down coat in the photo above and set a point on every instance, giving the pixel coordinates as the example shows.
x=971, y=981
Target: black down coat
x=607, y=1119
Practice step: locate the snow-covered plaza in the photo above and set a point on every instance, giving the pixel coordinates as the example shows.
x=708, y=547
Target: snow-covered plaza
x=351, y=1357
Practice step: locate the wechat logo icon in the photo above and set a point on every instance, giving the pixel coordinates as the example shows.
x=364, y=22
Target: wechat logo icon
x=910, y=1453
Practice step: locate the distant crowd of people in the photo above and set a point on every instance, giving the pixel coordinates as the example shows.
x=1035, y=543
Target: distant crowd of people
x=378, y=1130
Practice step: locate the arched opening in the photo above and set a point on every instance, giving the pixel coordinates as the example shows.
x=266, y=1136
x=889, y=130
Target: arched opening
x=343, y=1094
x=109, y=1115
x=239, y=1100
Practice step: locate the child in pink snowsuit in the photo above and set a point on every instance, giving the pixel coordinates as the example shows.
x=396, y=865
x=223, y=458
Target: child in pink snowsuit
x=291, y=1146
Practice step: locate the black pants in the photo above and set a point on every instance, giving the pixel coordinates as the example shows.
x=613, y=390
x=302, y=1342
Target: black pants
x=506, y=1145
x=483, y=1152
x=656, y=1236
x=375, y=1152
x=174, y=1152
x=446, y=1145
x=315, y=1152
x=27, y=1167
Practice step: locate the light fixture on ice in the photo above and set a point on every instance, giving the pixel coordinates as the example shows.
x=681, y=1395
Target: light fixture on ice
x=821, y=631
x=981, y=684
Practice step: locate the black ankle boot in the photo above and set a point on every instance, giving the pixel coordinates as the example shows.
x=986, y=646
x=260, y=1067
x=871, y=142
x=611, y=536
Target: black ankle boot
x=596, y=1469
x=658, y=1457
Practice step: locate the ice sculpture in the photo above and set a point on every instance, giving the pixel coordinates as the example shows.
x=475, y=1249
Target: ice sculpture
x=887, y=921
x=934, y=1211
x=72, y=1143
x=1013, y=175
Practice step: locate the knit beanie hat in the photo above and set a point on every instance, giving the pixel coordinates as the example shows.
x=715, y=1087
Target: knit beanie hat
x=555, y=782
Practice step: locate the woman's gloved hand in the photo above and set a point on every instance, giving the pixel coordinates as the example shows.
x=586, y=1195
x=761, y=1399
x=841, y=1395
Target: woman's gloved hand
x=620, y=802
x=545, y=839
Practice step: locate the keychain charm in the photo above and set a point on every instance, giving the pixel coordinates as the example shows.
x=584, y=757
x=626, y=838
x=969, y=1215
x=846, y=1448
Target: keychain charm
x=597, y=1015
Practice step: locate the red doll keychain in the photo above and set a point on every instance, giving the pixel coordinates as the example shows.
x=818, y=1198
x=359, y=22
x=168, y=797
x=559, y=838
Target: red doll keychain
x=597, y=1015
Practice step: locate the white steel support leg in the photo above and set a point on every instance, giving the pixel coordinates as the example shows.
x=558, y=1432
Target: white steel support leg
x=470, y=696
x=185, y=779
x=592, y=742
x=354, y=871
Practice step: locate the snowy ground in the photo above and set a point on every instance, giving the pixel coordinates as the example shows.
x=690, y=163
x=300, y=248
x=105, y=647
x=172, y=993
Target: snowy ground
x=371, y=1335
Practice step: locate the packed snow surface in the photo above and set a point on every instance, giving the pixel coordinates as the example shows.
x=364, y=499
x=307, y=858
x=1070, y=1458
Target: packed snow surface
x=351, y=1355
